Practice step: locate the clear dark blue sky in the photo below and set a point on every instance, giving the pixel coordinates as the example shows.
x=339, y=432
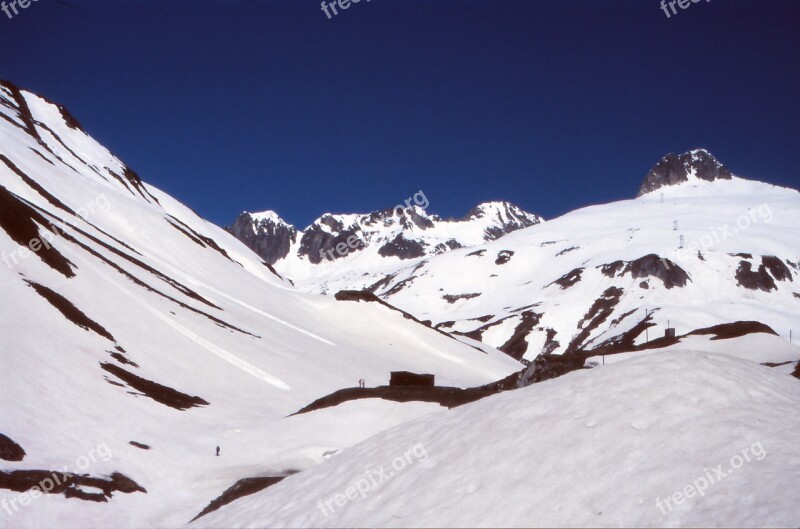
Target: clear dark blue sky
x=252, y=105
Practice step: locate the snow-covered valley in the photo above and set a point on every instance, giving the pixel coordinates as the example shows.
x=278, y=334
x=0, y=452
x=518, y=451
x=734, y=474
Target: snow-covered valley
x=152, y=361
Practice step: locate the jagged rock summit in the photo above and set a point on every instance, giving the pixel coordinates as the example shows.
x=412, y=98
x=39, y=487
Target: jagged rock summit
x=678, y=168
x=402, y=233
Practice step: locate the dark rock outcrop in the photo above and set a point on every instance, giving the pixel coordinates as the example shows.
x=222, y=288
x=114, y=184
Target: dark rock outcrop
x=450, y=244
x=649, y=265
x=68, y=484
x=508, y=218
x=546, y=367
x=402, y=248
x=24, y=224
x=270, y=238
x=158, y=392
x=754, y=280
x=243, y=487
x=652, y=265
x=503, y=256
x=318, y=244
x=9, y=450
x=602, y=308
x=612, y=269
x=452, y=298
x=675, y=169
x=395, y=232
x=517, y=345
x=726, y=331
x=448, y=397
x=70, y=311
x=568, y=279
x=777, y=268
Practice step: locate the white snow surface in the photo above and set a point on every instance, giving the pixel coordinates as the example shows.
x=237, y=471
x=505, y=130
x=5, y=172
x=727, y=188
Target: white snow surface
x=596, y=448
x=757, y=347
x=716, y=220
x=197, y=311
x=708, y=229
x=359, y=268
x=270, y=351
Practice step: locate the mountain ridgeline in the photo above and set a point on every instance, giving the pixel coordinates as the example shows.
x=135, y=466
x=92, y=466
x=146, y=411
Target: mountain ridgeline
x=403, y=232
x=180, y=353
x=600, y=278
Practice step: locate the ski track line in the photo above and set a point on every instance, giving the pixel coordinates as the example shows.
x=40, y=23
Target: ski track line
x=202, y=342
x=189, y=279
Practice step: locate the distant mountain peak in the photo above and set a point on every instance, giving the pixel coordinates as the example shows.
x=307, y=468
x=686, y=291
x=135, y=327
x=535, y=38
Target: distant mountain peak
x=505, y=218
x=266, y=216
x=675, y=169
x=266, y=233
x=402, y=232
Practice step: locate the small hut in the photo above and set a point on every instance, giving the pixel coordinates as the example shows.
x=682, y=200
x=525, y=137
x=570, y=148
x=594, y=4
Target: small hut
x=406, y=378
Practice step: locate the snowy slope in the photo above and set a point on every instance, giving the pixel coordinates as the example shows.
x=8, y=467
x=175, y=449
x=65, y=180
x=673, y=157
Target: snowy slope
x=133, y=329
x=765, y=349
x=697, y=247
x=634, y=444
x=136, y=320
x=584, y=280
x=354, y=251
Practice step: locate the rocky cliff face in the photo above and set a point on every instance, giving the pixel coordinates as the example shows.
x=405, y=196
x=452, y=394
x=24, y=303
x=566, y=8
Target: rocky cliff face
x=506, y=218
x=405, y=234
x=265, y=233
x=678, y=168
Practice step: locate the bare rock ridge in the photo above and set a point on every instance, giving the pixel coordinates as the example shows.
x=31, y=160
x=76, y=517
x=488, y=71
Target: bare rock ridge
x=404, y=233
x=268, y=236
x=678, y=168
x=70, y=485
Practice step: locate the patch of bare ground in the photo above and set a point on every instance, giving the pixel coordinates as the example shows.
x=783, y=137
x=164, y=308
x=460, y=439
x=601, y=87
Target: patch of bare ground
x=68, y=484
x=70, y=311
x=158, y=392
x=243, y=487
x=9, y=450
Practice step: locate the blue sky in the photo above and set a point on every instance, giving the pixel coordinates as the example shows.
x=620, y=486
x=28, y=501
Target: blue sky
x=553, y=105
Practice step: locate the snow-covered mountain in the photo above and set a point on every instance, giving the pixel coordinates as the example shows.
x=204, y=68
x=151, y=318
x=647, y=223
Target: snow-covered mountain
x=698, y=164
x=131, y=328
x=137, y=339
x=698, y=247
x=366, y=244
x=693, y=254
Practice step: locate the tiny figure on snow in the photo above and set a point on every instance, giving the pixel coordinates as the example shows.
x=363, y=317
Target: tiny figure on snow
x=217, y=451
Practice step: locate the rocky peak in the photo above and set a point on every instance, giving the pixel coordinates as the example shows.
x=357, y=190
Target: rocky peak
x=678, y=168
x=408, y=218
x=404, y=232
x=502, y=217
x=266, y=233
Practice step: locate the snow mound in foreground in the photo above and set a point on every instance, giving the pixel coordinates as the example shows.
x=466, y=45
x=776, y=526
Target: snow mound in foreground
x=680, y=439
